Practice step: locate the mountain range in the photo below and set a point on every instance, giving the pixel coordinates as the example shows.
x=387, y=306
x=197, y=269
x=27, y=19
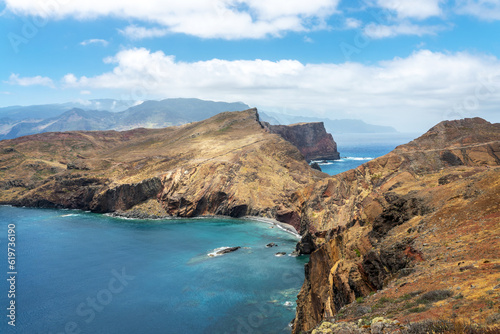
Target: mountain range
x=108, y=114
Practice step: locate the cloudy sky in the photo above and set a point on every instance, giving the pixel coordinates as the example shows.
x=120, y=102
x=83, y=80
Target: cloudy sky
x=403, y=63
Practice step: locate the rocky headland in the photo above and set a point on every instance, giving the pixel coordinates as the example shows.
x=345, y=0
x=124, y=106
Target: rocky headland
x=227, y=165
x=310, y=138
x=410, y=236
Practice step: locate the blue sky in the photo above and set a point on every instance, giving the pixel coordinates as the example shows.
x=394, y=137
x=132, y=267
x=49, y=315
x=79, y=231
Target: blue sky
x=408, y=64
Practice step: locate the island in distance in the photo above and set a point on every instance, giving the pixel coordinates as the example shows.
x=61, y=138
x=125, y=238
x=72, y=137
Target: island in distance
x=399, y=243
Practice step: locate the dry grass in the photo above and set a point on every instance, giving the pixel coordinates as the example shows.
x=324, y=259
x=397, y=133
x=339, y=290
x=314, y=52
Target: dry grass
x=449, y=327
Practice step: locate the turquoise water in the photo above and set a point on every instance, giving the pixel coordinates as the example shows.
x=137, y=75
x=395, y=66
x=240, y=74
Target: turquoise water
x=352, y=157
x=80, y=272
x=356, y=149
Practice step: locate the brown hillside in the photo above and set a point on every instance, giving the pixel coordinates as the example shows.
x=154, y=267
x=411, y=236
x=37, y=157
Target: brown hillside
x=226, y=165
x=423, y=218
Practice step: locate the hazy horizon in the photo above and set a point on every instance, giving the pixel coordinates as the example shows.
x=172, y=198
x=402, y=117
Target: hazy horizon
x=387, y=62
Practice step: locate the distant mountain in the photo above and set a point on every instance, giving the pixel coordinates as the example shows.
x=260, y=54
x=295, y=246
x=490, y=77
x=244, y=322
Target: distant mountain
x=149, y=114
x=38, y=112
x=337, y=126
x=109, y=114
x=169, y=112
x=111, y=105
x=71, y=120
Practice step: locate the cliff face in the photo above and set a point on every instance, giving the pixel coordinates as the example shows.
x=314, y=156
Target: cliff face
x=423, y=219
x=227, y=165
x=407, y=224
x=310, y=138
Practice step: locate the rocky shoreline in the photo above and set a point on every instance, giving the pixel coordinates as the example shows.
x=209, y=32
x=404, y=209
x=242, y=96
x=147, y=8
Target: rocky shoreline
x=405, y=222
x=284, y=226
x=146, y=216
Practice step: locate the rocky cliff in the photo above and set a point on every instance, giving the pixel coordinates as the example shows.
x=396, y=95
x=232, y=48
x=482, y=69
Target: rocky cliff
x=226, y=165
x=310, y=138
x=421, y=221
x=411, y=235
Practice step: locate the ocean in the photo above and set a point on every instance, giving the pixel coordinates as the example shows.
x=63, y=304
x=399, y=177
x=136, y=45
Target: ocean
x=356, y=149
x=79, y=272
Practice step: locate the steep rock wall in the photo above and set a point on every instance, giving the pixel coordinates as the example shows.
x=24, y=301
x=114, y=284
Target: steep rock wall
x=372, y=223
x=310, y=138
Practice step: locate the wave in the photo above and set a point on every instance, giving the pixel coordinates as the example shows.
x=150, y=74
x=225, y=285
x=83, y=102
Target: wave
x=71, y=215
x=359, y=158
x=343, y=159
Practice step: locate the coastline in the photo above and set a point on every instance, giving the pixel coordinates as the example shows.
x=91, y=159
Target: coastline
x=143, y=216
x=284, y=226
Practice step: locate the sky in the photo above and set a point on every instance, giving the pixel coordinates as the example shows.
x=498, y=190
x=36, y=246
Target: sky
x=407, y=64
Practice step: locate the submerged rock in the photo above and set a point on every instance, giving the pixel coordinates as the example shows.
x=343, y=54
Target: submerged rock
x=295, y=253
x=272, y=244
x=280, y=254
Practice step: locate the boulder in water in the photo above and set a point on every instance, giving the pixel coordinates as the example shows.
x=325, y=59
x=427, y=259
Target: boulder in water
x=227, y=250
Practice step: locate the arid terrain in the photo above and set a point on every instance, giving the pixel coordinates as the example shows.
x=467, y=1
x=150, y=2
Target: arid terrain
x=410, y=236
x=226, y=165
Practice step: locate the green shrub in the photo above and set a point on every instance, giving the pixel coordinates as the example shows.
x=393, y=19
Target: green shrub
x=434, y=296
x=418, y=309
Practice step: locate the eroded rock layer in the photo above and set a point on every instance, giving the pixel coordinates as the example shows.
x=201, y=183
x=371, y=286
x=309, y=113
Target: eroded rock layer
x=405, y=224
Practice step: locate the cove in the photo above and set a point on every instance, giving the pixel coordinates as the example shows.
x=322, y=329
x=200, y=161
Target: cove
x=80, y=272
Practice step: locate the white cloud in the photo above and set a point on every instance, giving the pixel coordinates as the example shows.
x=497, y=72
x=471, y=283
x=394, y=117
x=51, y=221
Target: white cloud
x=94, y=41
x=421, y=9
x=228, y=19
x=83, y=102
x=308, y=39
x=351, y=23
x=377, y=31
x=484, y=9
x=136, y=32
x=6, y=93
x=69, y=79
x=85, y=92
x=391, y=92
x=14, y=79
x=398, y=17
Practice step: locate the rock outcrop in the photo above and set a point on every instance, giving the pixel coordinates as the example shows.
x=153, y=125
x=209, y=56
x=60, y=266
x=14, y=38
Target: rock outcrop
x=226, y=165
x=403, y=225
x=310, y=138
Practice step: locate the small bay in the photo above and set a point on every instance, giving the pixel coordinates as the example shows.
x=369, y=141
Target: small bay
x=80, y=272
